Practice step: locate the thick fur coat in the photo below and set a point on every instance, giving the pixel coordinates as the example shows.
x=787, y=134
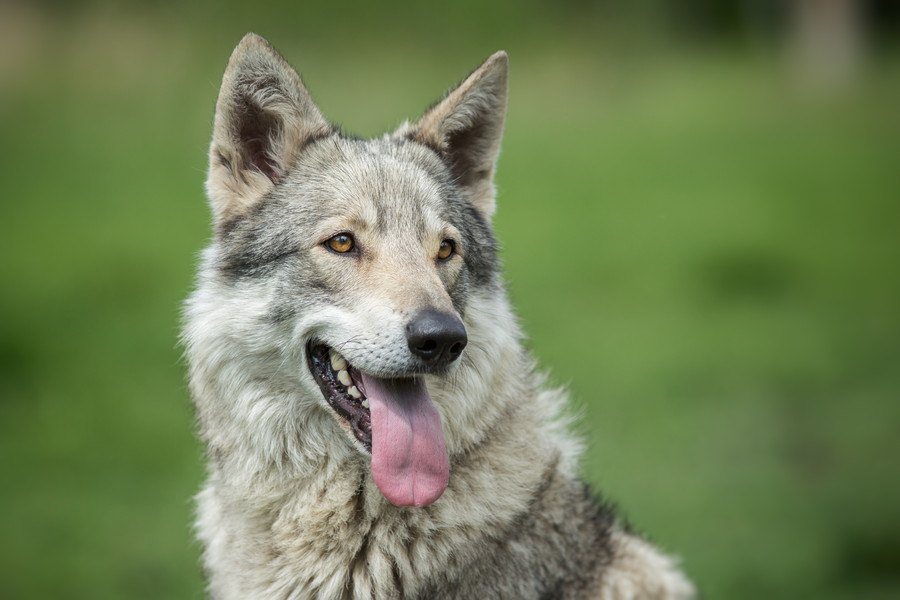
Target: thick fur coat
x=291, y=508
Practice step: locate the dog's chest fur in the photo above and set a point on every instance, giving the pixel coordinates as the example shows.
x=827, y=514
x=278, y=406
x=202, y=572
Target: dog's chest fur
x=504, y=529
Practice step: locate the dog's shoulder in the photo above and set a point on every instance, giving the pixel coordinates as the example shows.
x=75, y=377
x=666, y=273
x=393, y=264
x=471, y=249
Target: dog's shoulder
x=639, y=570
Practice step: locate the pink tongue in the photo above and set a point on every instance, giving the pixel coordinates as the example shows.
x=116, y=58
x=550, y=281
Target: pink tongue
x=409, y=460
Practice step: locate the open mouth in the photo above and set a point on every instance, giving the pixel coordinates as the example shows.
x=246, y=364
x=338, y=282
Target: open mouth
x=394, y=419
x=341, y=385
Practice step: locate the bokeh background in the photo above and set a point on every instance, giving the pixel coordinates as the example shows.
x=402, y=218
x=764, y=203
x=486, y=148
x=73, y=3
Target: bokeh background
x=699, y=210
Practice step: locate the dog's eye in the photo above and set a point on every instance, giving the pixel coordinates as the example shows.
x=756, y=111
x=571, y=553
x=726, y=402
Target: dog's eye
x=447, y=249
x=341, y=243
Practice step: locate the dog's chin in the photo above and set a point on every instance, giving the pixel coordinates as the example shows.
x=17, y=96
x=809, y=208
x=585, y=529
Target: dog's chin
x=343, y=391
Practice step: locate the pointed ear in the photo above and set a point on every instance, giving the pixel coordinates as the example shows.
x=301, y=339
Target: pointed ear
x=466, y=127
x=264, y=118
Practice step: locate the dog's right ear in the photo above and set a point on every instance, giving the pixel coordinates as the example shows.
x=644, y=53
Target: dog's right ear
x=264, y=118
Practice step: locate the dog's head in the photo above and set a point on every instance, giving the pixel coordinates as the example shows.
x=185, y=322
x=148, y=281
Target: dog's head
x=349, y=262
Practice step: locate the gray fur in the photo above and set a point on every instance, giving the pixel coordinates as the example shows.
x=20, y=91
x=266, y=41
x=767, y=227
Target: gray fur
x=290, y=509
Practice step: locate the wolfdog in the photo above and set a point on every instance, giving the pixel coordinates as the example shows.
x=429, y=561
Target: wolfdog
x=373, y=426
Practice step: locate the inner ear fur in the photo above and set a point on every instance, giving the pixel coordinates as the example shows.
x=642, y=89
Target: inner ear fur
x=466, y=128
x=264, y=117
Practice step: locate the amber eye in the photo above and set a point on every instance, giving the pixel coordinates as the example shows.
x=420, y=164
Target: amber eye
x=448, y=247
x=341, y=243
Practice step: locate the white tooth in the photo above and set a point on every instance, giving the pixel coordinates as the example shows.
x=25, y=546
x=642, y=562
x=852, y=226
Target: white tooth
x=337, y=361
x=354, y=392
x=344, y=377
x=365, y=404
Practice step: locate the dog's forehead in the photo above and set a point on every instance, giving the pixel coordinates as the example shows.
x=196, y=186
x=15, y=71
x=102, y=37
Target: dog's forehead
x=383, y=182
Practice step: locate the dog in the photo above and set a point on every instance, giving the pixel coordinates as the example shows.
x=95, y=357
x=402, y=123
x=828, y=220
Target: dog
x=373, y=426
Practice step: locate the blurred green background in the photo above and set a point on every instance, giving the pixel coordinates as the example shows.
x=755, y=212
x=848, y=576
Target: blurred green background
x=699, y=210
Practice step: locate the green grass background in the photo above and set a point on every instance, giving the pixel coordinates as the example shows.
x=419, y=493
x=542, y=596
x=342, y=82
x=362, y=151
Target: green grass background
x=703, y=247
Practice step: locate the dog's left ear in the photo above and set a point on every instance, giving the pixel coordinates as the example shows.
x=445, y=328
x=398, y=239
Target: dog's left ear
x=466, y=127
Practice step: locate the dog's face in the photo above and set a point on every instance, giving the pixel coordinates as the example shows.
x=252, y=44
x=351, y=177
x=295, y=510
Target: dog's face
x=358, y=255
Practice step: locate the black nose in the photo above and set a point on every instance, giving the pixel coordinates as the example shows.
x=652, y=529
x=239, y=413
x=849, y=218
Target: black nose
x=435, y=337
